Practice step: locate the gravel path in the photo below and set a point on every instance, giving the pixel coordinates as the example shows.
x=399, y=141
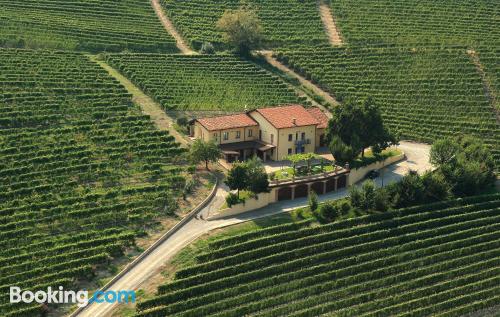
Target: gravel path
x=167, y=24
x=329, y=23
x=417, y=159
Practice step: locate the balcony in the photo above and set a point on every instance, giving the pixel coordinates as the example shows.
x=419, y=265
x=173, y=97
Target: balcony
x=302, y=142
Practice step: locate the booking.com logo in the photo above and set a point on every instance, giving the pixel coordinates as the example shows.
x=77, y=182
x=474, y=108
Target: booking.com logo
x=61, y=296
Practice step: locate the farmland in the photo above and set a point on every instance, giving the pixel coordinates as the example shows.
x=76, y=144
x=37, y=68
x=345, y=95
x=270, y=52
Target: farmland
x=429, y=22
x=83, y=25
x=285, y=22
x=82, y=171
x=424, y=93
x=440, y=259
x=220, y=82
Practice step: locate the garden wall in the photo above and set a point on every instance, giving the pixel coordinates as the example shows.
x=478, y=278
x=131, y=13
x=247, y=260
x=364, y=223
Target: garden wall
x=359, y=173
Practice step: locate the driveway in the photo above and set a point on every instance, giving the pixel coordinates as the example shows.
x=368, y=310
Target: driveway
x=417, y=159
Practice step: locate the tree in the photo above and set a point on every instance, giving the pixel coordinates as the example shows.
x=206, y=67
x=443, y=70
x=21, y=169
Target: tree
x=443, y=152
x=237, y=178
x=241, y=29
x=202, y=151
x=354, y=127
x=257, y=178
x=469, y=170
x=313, y=200
x=295, y=159
x=308, y=157
x=409, y=191
x=250, y=175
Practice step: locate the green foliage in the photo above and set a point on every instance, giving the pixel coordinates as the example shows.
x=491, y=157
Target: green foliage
x=233, y=199
x=284, y=23
x=241, y=29
x=207, y=48
x=355, y=127
x=312, y=201
x=207, y=152
x=421, y=257
x=237, y=178
x=470, y=170
x=203, y=82
x=94, y=26
x=250, y=175
x=82, y=171
x=424, y=93
x=411, y=23
x=444, y=151
x=363, y=198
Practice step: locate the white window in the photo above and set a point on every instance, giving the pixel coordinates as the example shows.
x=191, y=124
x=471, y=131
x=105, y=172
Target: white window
x=215, y=136
x=250, y=133
x=238, y=134
x=225, y=135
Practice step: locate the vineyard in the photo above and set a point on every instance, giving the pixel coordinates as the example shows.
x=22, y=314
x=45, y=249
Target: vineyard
x=443, y=22
x=424, y=93
x=285, y=22
x=97, y=25
x=81, y=171
x=441, y=259
x=203, y=82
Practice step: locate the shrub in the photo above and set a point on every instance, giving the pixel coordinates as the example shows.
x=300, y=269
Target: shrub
x=232, y=199
x=207, y=48
x=313, y=201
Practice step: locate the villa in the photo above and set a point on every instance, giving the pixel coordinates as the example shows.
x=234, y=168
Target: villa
x=270, y=133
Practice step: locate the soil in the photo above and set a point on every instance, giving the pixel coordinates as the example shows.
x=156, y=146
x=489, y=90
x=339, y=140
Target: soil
x=168, y=25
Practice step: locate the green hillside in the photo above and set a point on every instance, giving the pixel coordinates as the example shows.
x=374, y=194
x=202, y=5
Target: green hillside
x=285, y=22
x=80, y=169
x=424, y=93
x=442, y=22
x=97, y=25
x=203, y=82
x=441, y=259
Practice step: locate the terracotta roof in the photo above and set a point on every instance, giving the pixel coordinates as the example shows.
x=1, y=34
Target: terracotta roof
x=288, y=116
x=319, y=115
x=227, y=122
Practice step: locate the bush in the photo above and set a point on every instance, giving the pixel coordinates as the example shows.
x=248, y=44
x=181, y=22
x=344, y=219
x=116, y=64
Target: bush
x=207, y=48
x=191, y=169
x=313, y=201
x=329, y=212
x=233, y=199
x=182, y=121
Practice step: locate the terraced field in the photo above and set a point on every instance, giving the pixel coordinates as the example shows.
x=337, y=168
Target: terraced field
x=97, y=25
x=81, y=171
x=441, y=259
x=203, y=82
x=285, y=22
x=424, y=93
x=442, y=22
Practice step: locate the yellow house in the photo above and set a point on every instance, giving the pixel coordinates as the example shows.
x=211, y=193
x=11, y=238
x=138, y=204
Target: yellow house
x=271, y=133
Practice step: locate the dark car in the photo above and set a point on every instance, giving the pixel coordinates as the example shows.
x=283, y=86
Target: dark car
x=372, y=174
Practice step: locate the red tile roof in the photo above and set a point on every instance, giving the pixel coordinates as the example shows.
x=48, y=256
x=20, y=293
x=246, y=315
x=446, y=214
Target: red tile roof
x=227, y=122
x=288, y=116
x=319, y=115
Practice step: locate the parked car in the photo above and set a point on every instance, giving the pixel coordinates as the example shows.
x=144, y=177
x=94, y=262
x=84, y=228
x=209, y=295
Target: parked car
x=372, y=174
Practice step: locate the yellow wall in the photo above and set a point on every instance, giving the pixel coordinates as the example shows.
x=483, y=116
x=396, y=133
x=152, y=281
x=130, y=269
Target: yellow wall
x=319, y=132
x=284, y=144
x=281, y=137
x=200, y=132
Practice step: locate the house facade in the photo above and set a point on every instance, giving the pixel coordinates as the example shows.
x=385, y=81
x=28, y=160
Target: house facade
x=270, y=133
